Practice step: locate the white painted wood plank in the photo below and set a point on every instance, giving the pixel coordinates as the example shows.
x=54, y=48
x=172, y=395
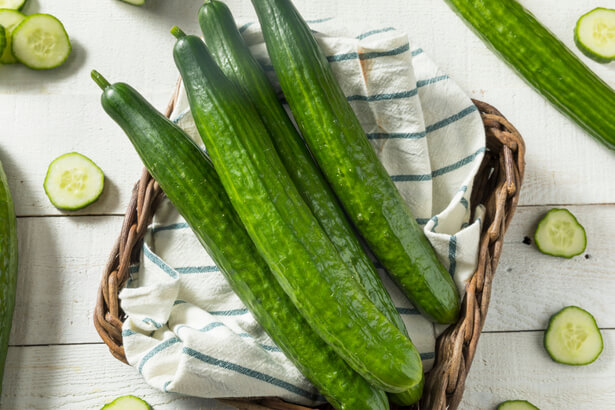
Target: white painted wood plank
x=511, y=366
x=529, y=286
x=44, y=114
x=80, y=377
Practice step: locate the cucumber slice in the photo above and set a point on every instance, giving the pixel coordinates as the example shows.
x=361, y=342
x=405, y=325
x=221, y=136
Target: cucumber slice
x=560, y=234
x=73, y=182
x=40, y=42
x=12, y=4
x=129, y=402
x=517, y=405
x=573, y=337
x=135, y=2
x=3, y=35
x=9, y=19
x=595, y=34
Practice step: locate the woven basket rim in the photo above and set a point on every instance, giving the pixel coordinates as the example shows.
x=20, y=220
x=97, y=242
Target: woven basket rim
x=499, y=179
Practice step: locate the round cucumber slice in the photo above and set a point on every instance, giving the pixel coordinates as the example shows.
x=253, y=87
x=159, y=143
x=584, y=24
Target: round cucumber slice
x=3, y=35
x=135, y=2
x=12, y=4
x=73, y=182
x=560, y=234
x=9, y=19
x=573, y=337
x=129, y=402
x=517, y=405
x=40, y=42
x=594, y=34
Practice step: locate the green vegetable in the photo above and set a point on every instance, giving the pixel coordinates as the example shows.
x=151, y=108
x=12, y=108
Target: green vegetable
x=560, y=234
x=189, y=180
x=40, y=42
x=73, y=182
x=9, y=19
x=8, y=266
x=517, y=405
x=129, y=402
x=284, y=230
x=135, y=2
x=3, y=41
x=595, y=34
x=544, y=62
x=338, y=143
x=573, y=337
x=12, y=4
x=234, y=58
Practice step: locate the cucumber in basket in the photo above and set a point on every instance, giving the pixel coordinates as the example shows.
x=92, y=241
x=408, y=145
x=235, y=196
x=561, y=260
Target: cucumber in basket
x=543, y=61
x=9, y=19
x=189, y=180
x=595, y=34
x=560, y=234
x=573, y=337
x=8, y=266
x=346, y=157
x=284, y=230
x=40, y=42
x=234, y=58
x=517, y=405
x=12, y=4
x=128, y=402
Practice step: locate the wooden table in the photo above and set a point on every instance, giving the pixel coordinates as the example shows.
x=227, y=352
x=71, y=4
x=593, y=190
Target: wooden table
x=56, y=359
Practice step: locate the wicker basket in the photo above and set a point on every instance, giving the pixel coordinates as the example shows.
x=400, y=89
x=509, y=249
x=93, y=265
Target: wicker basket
x=496, y=185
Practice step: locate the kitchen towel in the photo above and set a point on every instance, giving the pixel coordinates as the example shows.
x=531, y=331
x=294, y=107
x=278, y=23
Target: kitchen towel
x=187, y=332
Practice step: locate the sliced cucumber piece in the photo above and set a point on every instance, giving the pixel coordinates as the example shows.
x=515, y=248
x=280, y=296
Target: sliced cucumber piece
x=517, y=405
x=573, y=337
x=73, y=182
x=12, y=4
x=40, y=42
x=129, y=402
x=595, y=34
x=560, y=234
x=135, y=2
x=3, y=35
x=9, y=19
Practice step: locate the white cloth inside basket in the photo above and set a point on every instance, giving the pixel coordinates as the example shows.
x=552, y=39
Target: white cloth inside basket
x=187, y=332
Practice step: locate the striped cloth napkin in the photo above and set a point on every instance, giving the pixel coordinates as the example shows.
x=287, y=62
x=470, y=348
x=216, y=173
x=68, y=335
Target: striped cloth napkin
x=187, y=332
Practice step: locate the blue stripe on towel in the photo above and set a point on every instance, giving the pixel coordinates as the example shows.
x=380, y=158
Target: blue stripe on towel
x=383, y=97
x=249, y=372
x=396, y=135
x=160, y=347
x=179, y=302
x=416, y=52
x=233, y=312
x=197, y=269
x=164, y=388
x=128, y=332
x=428, y=355
x=438, y=172
x=422, y=221
x=159, y=262
x=152, y=322
x=429, y=81
x=452, y=255
x=181, y=225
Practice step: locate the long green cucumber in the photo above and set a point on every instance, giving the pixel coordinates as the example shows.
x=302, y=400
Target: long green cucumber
x=239, y=65
x=341, y=148
x=544, y=62
x=8, y=267
x=285, y=232
x=189, y=180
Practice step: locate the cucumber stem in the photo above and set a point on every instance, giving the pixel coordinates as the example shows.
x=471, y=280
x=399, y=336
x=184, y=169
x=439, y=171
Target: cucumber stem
x=100, y=80
x=177, y=32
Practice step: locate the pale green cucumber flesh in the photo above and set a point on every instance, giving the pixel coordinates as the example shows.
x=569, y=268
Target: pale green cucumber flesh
x=517, y=405
x=41, y=42
x=12, y=4
x=9, y=19
x=573, y=337
x=129, y=402
x=73, y=182
x=594, y=34
x=560, y=234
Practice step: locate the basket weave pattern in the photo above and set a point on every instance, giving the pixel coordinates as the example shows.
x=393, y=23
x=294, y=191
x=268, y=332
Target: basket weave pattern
x=496, y=186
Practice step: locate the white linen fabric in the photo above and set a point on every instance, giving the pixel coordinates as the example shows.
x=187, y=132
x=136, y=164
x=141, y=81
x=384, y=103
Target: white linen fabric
x=187, y=332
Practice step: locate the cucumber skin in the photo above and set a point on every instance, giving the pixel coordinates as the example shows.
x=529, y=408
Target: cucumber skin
x=544, y=62
x=502, y=406
x=585, y=49
x=3, y=35
x=341, y=148
x=8, y=267
x=287, y=235
x=182, y=169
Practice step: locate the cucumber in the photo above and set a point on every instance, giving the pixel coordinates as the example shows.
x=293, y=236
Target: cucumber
x=189, y=180
x=12, y=4
x=40, y=42
x=573, y=337
x=234, y=58
x=346, y=157
x=73, y=181
x=8, y=266
x=3, y=41
x=517, y=405
x=9, y=19
x=594, y=34
x=129, y=402
x=544, y=62
x=284, y=230
x=135, y=2
x=560, y=234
